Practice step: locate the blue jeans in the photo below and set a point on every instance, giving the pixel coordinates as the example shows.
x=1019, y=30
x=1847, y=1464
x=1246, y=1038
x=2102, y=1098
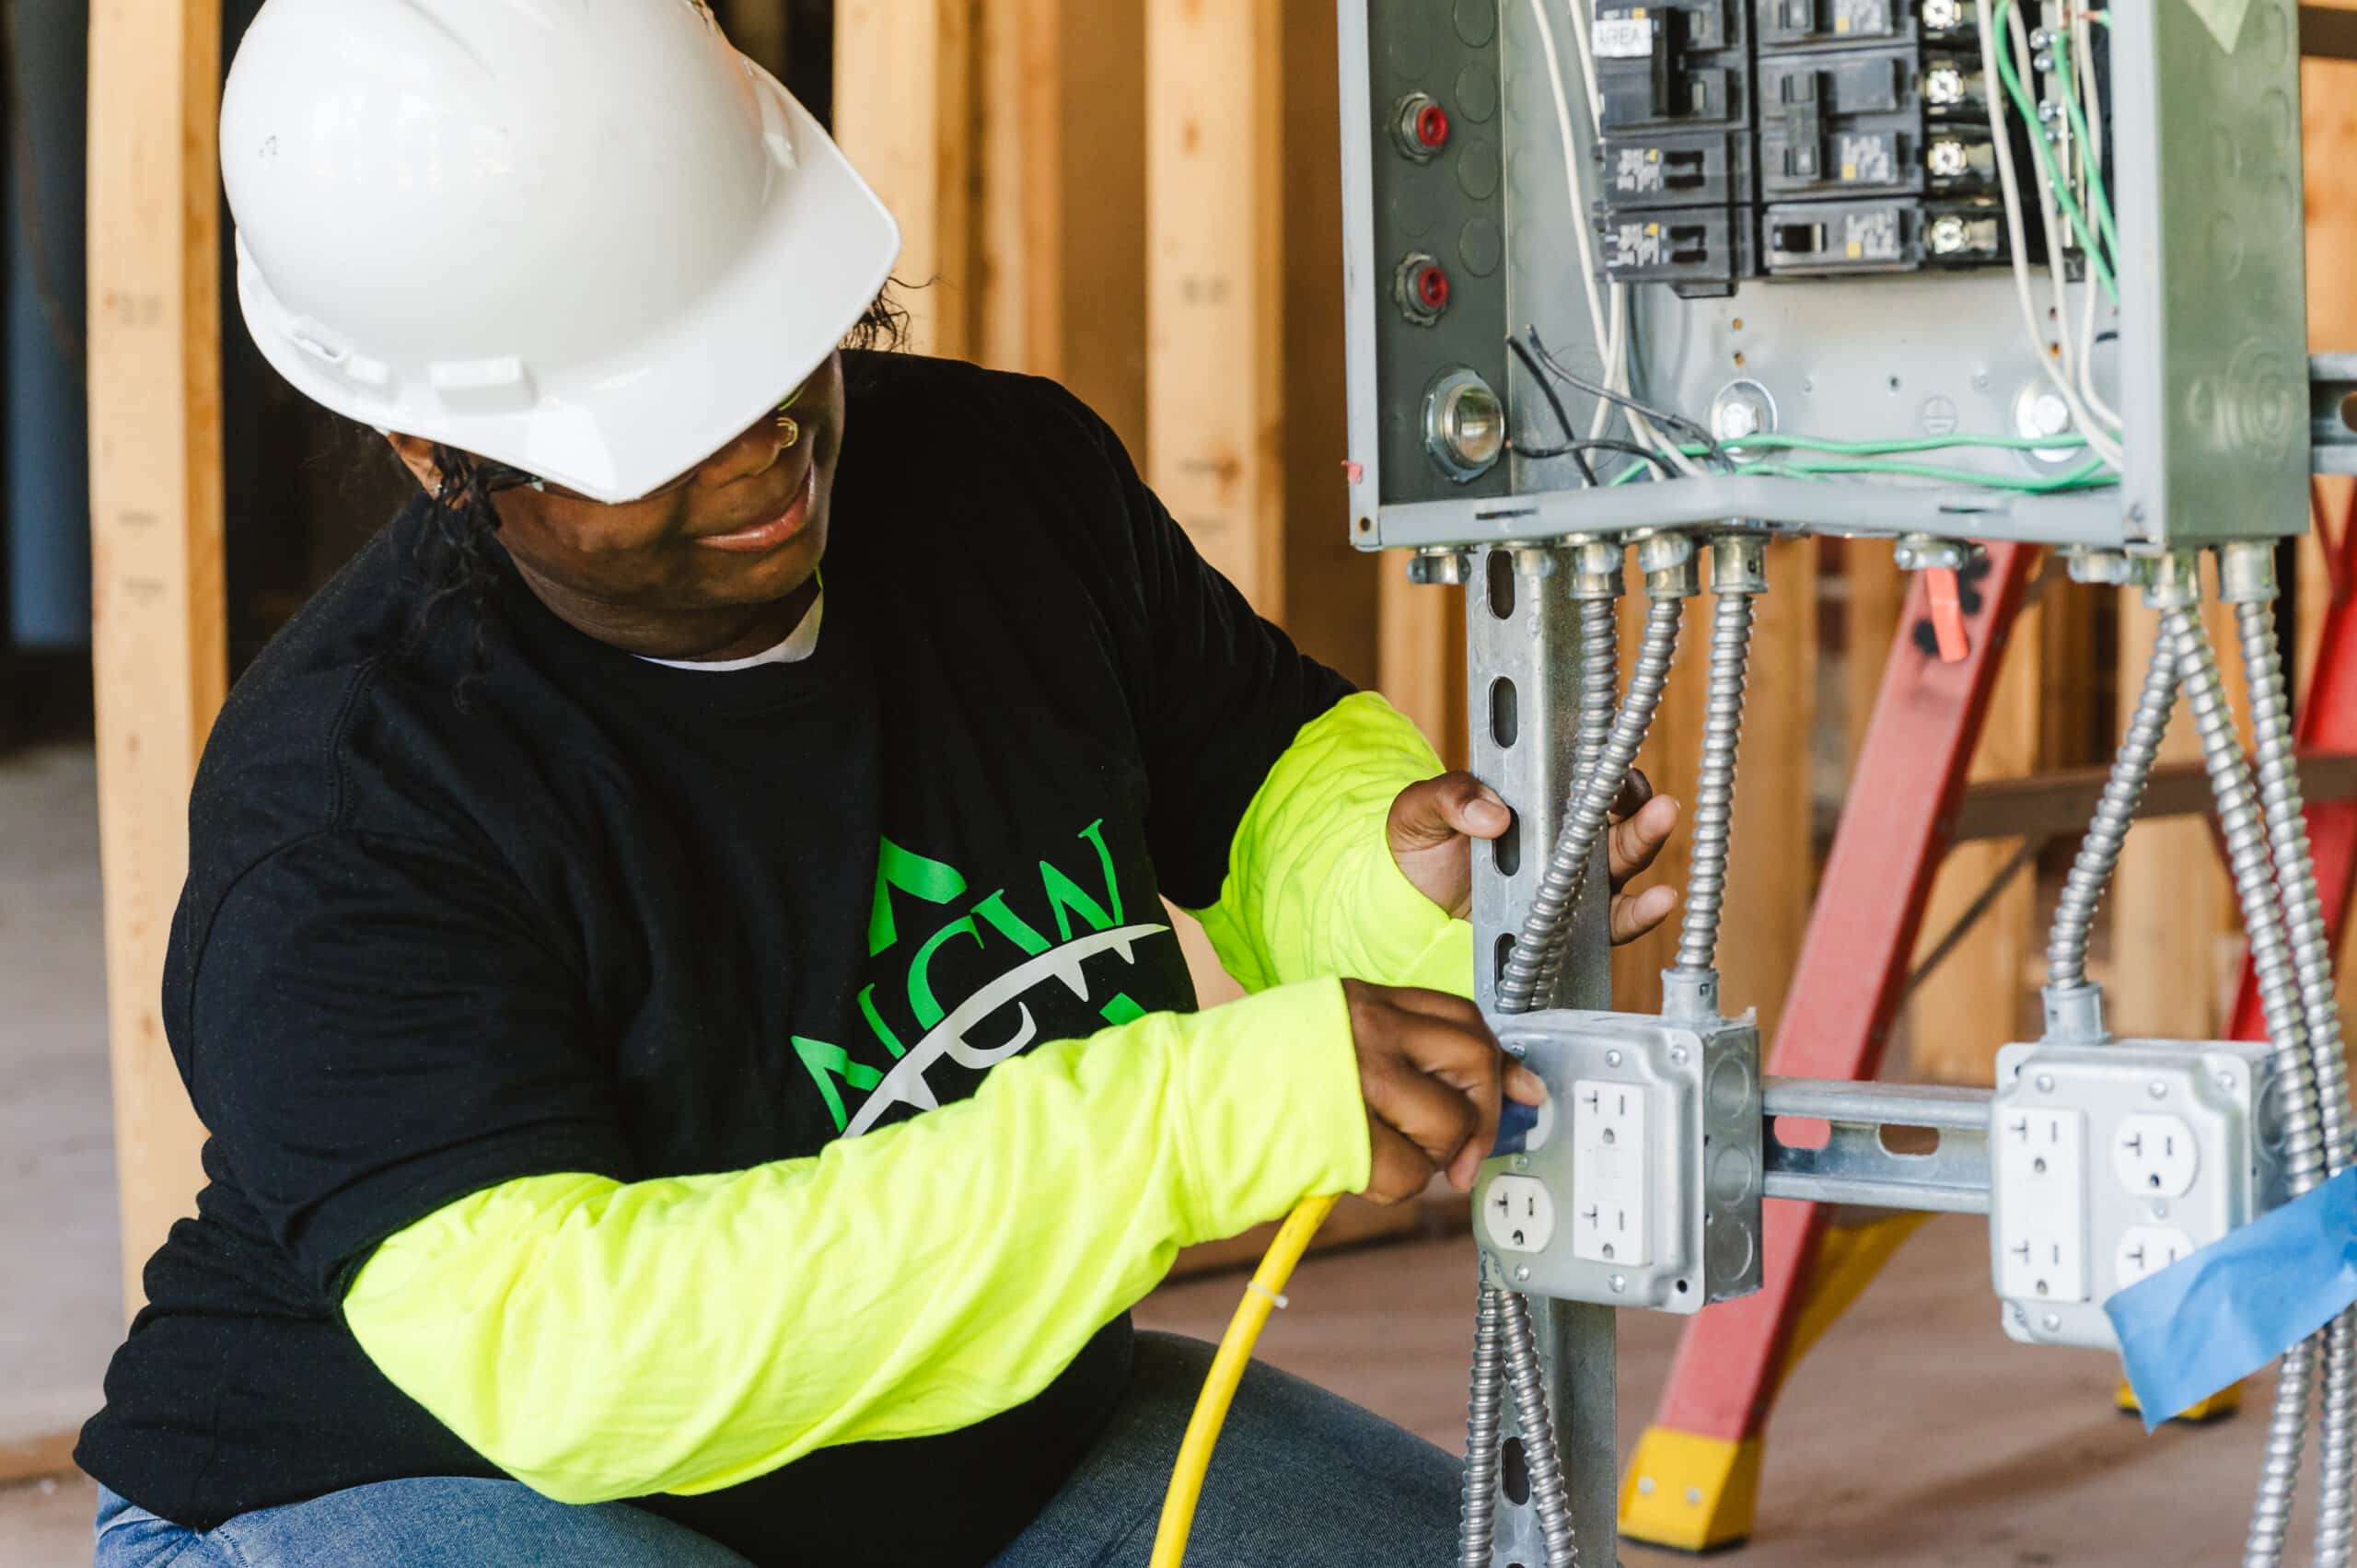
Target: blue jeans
x=1301, y=1479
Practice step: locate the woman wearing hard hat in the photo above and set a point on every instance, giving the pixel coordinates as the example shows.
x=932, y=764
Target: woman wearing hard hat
x=696, y=1068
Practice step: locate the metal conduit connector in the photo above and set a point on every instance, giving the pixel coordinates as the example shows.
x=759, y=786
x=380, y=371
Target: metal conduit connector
x=1738, y=571
x=1596, y=569
x=2247, y=572
x=1477, y=1514
x=2174, y=582
x=1541, y=1458
x=1668, y=561
x=1436, y=566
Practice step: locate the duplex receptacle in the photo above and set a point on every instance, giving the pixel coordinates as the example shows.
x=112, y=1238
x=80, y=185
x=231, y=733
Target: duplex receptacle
x=2111, y=1162
x=1644, y=1187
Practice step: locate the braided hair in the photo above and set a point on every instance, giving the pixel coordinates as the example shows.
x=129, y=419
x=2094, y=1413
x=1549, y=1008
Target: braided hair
x=459, y=552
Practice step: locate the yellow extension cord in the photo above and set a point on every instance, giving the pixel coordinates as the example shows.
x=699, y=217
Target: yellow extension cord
x=1227, y=1371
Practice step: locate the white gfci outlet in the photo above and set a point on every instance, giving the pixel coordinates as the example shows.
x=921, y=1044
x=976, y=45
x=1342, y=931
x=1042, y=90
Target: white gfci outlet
x=2042, y=1167
x=2146, y=1249
x=2155, y=1155
x=1519, y=1214
x=1611, y=1206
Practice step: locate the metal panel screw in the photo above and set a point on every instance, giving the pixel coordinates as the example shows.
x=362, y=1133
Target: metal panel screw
x=1694, y=1495
x=1644, y=1486
x=1522, y=1274
x=1678, y=1055
x=1619, y=1283
x=2051, y=1324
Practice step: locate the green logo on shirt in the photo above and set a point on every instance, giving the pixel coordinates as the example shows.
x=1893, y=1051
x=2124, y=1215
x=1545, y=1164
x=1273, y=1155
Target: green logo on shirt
x=905, y=883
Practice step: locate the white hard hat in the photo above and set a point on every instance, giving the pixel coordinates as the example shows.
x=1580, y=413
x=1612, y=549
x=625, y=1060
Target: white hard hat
x=586, y=239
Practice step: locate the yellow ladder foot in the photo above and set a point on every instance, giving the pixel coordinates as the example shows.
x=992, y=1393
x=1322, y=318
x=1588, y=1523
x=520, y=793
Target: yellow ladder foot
x=1691, y=1492
x=2217, y=1406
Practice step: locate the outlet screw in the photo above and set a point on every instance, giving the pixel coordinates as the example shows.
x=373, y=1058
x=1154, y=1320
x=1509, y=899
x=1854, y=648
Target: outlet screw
x=1522, y=1273
x=2157, y=1089
x=1522, y=1162
x=2050, y=1322
x=1612, y=1059
x=1644, y=1486
x=2226, y=1082
x=2046, y=1083
x=1678, y=1056
x=2160, y=1208
x=1619, y=1283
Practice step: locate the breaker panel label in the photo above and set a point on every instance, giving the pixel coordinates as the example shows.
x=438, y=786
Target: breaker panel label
x=1624, y=37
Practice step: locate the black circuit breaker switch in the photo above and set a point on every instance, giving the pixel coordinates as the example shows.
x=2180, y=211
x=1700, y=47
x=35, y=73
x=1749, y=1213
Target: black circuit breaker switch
x=1681, y=64
x=1859, y=121
x=1849, y=24
x=1697, y=251
x=1901, y=235
x=1677, y=168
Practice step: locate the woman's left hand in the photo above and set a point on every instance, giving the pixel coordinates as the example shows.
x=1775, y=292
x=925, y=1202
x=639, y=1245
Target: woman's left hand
x=1432, y=826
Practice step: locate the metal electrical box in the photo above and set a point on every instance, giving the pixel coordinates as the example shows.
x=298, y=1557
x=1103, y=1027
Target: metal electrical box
x=1794, y=202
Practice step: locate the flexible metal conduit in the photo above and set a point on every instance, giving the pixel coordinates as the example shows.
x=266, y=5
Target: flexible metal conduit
x=1706, y=879
x=2296, y=875
x=1477, y=1518
x=2091, y=868
x=1566, y=871
x=1538, y=1453
x=2246, y=851
x=1600, y=621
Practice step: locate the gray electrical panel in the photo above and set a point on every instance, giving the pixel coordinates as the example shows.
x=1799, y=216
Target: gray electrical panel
x=1796, y=205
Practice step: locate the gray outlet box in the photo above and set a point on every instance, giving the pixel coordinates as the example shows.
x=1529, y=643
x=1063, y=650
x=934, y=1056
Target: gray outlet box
x=2108, y=1162
x=1640, y=1185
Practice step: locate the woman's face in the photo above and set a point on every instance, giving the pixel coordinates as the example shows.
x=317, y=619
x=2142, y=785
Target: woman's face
x=745, y=528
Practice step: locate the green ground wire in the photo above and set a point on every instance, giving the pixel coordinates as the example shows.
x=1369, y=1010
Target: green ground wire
x=1904, y=444
x=2101, y=201
x=2043, y=155
x=2092, y=474
x=2088, y=475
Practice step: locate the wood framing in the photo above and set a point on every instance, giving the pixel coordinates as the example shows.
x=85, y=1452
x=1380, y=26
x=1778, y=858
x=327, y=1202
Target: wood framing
x=1215, y=282
x=904, y=106
x=159, y=624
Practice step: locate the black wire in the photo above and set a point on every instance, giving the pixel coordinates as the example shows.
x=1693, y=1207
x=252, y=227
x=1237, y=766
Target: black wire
x=1676, y=422
x=1605, y=444
x=1562, y=420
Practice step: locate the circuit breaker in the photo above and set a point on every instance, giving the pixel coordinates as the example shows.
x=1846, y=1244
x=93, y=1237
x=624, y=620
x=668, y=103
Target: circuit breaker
x=1879, y=252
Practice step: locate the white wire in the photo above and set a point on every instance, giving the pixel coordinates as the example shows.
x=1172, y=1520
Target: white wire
x=2057, y=272
x=2090, y=147
x=1610, y=328
x=2099, y=440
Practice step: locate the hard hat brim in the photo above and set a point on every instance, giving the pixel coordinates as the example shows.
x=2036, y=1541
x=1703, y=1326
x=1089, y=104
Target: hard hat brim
x=618, y=428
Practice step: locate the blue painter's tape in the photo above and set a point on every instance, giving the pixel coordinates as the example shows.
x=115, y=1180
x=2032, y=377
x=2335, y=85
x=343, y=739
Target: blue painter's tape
x=2206, y=1321
x=1515, y=1122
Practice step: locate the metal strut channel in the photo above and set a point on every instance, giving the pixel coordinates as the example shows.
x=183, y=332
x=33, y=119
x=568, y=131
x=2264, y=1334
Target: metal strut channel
x=1857, y=1166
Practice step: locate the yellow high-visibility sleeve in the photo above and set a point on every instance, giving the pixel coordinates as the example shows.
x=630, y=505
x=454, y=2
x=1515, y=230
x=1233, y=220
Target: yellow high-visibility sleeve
x=1312, y=887
x=600, y=1339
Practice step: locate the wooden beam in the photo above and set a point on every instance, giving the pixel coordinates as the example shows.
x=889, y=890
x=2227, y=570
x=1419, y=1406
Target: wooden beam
x=1103, y=239
x=1974, y=1002
x=1020, y=275
x=2170, y=905
x=1769, y=865
x=904, y=106
x=158, y=634
x=1215, y=281
x=1415, y=630
x=1874, y=591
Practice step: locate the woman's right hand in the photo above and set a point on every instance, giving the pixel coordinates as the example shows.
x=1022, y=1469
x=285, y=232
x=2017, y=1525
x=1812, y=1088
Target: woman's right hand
x=1432, y=1076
